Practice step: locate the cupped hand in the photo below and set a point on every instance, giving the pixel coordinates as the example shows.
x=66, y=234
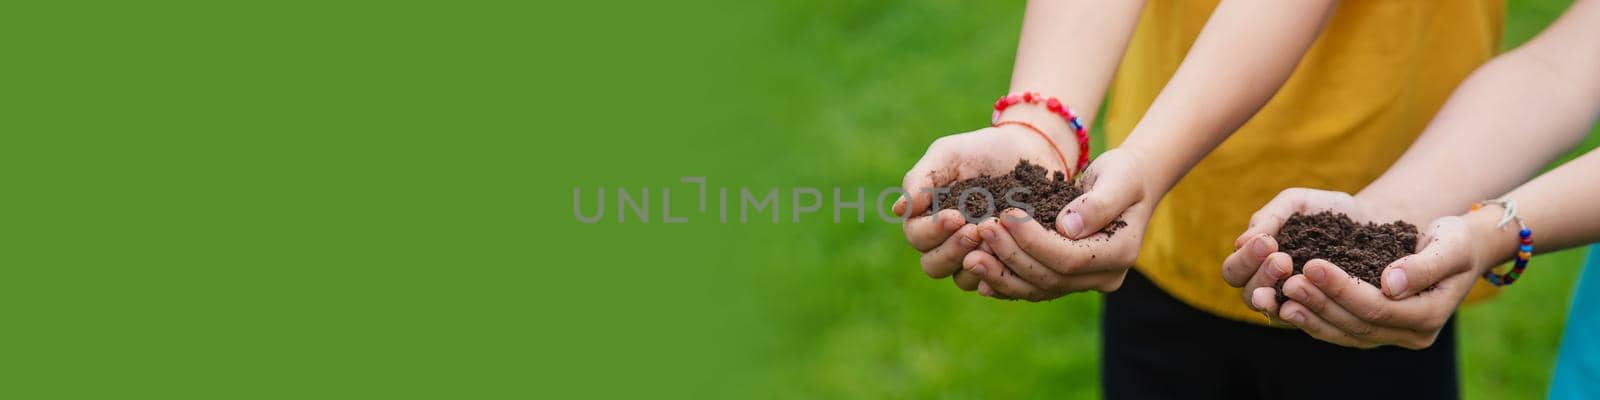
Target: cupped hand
x=946, y=237
x=1257, y=266
x=1031, y=262
x=1420, y=293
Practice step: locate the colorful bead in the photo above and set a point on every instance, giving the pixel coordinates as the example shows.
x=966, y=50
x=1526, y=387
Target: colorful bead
x=1520, y=263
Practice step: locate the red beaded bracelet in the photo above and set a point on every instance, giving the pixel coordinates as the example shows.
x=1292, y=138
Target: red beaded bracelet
x=1054, y=106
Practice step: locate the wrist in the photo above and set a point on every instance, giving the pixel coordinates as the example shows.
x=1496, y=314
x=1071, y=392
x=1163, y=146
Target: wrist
x=1060, y=132
x=1161, y=175
x=1053, y=125
x=1491, y=245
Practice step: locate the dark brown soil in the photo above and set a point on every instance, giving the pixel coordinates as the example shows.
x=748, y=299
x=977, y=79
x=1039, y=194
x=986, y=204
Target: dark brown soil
x=1362, y=250
x=1046, y=194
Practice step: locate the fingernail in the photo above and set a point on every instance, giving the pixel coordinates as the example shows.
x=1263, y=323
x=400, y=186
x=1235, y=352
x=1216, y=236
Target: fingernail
x=1017, y=214
x=1297, y=293
x=1317, y=275
x=1394, y=282
x=988, y=233
x=1273, y=271
x=1072, y=223
x=951, y=223
x=1258, y=247
x=1298, y=317
x=900, y=206
x=978, y=269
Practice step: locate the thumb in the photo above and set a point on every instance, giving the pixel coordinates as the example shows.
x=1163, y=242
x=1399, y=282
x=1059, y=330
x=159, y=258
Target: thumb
x=1107, y=197
x=1443, y=254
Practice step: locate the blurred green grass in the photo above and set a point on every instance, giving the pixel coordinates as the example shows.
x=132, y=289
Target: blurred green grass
x=865, y=87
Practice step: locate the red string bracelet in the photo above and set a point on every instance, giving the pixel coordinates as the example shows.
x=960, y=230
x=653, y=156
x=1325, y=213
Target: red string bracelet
x=1047, y=139
x=1054, y=106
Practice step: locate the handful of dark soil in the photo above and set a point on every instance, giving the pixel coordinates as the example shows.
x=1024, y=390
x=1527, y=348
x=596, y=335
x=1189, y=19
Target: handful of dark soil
x=1362, y=250
x=1047, y=193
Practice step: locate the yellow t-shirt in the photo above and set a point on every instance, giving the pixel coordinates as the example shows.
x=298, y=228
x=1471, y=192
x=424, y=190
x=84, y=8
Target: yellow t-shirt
x=1362, y=94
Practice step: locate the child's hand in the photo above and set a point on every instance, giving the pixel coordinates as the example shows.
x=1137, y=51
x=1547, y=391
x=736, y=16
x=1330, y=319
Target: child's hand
x=1258, y=266
x=1334, y=307
x=946, y=237
x=1030, y=262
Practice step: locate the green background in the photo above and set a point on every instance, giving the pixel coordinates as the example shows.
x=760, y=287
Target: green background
x=336, y=200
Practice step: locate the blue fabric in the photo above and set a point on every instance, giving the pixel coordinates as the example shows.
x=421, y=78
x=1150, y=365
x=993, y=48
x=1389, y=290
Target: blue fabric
x=1578, y=360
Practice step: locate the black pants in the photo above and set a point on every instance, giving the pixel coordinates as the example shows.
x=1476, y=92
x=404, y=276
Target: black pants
x=1157, y=347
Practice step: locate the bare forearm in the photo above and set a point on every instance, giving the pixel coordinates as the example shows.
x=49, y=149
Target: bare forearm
x=1558, y=206
x=1502, y=124
x=1070, y=49
x=1246, y=52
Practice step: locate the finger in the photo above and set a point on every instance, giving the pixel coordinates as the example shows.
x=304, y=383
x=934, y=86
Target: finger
x=1240, y=266
x=1004, y=247
x=945, y=260
x=1443, y=253
x=1040, y=274
x=1001, y=281
x=1070, y=257
x=928, y=232
x=986, y=291
x=1269, y=219
x=1371, y=305
x=967, y=281
x=1275, y=269
x=931, y=171
x=1302, y=318
x=1265, y=300
x=1433, y=308
x=1300, y=290
x=1104, y=201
